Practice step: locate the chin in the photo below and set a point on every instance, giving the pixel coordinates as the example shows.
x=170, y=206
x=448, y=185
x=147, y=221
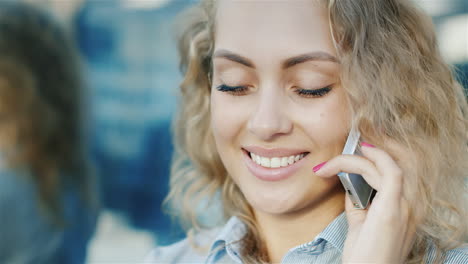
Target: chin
x=276, y=201
x=272, y=206
x=288, y=197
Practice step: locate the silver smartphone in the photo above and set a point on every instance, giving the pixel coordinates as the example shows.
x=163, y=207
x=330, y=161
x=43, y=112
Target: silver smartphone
x=359, y=191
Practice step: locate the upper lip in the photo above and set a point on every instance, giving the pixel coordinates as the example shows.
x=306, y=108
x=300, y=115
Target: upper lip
x=274, y=152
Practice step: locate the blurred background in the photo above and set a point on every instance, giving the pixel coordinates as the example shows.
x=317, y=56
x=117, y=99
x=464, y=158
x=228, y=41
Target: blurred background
x=131, y=69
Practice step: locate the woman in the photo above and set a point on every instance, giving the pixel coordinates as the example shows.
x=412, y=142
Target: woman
x=270, y=92
x=47, y=209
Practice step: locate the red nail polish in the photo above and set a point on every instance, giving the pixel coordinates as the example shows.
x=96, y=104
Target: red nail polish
x=365, y=144
x=318, y=167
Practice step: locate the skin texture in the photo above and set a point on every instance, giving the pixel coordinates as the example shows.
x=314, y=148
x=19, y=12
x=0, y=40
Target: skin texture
x=270, y=114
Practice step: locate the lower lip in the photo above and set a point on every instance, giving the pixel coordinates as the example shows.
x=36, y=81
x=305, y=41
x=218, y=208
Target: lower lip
x=271, y=174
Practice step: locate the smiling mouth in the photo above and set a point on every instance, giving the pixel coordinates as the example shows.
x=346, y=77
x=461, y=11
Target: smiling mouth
x=276, y=162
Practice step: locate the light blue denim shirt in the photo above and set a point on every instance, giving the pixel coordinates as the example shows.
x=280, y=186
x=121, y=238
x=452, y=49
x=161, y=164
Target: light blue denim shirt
x=327, y=247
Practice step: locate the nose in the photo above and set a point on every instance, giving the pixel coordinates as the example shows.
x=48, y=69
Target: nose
x=269, y=120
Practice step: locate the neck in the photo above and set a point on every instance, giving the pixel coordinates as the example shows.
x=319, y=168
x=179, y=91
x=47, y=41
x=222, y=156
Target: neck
x=282, y=232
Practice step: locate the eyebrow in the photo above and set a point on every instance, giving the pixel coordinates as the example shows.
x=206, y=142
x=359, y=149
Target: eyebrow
x=288, y=63
x=312, y=56
x=226, y=54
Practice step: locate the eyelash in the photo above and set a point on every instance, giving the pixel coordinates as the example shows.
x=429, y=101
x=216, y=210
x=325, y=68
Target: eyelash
x=234, y=90
x=313, y=93
x=307, y=93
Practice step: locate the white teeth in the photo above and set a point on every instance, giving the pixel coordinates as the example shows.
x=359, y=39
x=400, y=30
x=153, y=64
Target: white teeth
x=284, y=161
x=255, y=158
x=275, y=162
x=265, y=162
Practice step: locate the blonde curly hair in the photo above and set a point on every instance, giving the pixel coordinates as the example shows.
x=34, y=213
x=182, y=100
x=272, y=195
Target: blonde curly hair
x=398, y=86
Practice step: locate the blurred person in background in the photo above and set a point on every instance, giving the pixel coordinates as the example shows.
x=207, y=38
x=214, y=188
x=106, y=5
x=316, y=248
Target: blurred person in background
x=270, y=92
x=48, y=201
x=132, y=68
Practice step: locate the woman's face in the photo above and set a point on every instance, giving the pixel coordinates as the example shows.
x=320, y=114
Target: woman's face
x=276, y=97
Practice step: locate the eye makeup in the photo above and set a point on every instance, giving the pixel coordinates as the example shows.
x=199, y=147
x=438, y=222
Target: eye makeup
x=235, y=75
x=234, y=90
x=301, y=77
x=313, y=92
x=307, y=93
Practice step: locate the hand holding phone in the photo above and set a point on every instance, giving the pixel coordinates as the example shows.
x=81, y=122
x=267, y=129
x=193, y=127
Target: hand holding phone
x=360, y=192
x=388, y=220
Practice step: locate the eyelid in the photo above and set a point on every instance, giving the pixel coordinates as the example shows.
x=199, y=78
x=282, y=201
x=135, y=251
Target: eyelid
x=229, y=72
x=307, y=93
x=313, y=93
x=234, y=90
x=225, y=87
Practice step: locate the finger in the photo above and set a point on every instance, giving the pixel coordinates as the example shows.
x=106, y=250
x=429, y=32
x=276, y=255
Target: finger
x=351, y=164
x=354, y=215
x=389, y=170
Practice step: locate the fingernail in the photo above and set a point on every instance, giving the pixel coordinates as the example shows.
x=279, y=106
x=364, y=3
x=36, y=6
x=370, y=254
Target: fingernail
x=365, y=144
x=318, y=167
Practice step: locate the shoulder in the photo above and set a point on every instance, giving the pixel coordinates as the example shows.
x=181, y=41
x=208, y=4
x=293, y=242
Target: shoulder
x=194, y=249
x=453, y=256
x=17, y=192
x=180, y=252
x=27, y=240
x=14, y=179
x=457, y=255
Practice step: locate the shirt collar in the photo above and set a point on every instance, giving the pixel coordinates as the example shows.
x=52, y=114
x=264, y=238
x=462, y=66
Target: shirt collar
x=229, y=239
x=335, y=232
x=234, y=230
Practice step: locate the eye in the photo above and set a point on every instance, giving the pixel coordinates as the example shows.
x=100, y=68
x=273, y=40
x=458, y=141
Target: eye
x=309, y=93
x=234, y=90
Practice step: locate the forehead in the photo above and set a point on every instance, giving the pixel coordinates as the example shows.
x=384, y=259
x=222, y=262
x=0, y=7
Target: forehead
x=263, y=29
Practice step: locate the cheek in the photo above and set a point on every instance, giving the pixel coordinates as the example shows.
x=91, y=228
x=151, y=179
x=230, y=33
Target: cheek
x=328, y=123
x=226, y=119
x=332, y=121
